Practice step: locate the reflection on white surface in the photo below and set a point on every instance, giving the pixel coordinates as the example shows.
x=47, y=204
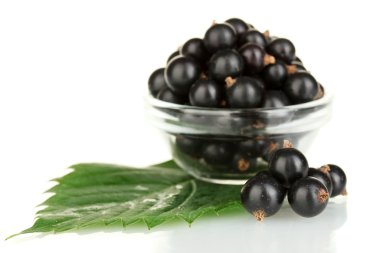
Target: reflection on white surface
x=284, y=232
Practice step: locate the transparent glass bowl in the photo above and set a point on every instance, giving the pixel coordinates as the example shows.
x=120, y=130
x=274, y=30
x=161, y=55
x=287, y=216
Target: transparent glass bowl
x=228, y=146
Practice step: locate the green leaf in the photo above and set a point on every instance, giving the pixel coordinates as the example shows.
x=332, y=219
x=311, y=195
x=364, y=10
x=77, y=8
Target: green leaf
x=103, y=194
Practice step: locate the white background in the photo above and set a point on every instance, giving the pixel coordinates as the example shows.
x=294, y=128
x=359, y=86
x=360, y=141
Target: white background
x=72, y=79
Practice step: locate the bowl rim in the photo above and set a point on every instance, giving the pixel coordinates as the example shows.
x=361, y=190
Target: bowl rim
x=326, y=99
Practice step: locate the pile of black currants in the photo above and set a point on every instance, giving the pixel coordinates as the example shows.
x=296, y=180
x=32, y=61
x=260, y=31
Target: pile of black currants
x=235, y=66
x=308, y=189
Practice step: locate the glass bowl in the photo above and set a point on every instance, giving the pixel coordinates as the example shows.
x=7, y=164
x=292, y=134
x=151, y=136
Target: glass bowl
x=228, y=146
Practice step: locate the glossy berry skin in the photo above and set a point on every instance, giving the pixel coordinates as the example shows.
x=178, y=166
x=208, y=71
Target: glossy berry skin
x=253, y=57
x=206, y=93
x=217, y=153
x=323, y=177
x=239, y=25
x=301, y=87
x=188, y=145
x=181, y=73
x=338, y=179
x=308, y=197
x=156, y=81
x=243, y=163
x=275, y=98
x=274, y=75
x=252, y=36
x=195, y=48
x=174, y=54
x=246, y=92
x=282, y=49
x=168, y=95
x=288, y=165
x=225, y=63
x=220, y=36
x=262, y=195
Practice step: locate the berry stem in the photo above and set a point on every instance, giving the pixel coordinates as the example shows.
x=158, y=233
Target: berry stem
x=291, y=69
x=287, y=144
x=323, y=196
x=325, y=169
x=344, y=192
x=243, y=165
x=266, y=34
x=259, y=215
x=269, y=59
x=230, y=81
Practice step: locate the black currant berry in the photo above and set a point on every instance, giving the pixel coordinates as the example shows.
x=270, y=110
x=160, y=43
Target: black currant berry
x=255, y=58
x=217, y=153
x=252, y=36
x=308, y=197
x=282, y=49
x=275, y=75
x=156, y=81
x=244, y=92
x=338, y=179
x=196, y=49
x=189, y=145
x=206, y=93
x=275, y=98
x=174, y=54
x=301, y=87
x=323, y=177
x=262, y=195
x=167, y=95
x=243, y=163
x=239, y=25
x=225, y=63
x=220, y=36
x=288, y=165
x=255, y=147
x=181, y=73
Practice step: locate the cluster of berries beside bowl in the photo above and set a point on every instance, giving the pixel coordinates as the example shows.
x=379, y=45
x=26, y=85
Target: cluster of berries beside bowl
x=235, y=66
x=308, y=189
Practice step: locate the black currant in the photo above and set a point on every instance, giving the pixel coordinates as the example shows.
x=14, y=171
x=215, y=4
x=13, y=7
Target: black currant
x=308, y=197
x=274, y=75
x=262, y=195
x=225, y=63
x=220, y=36
x=323, y=177
x=255, y=58
x=156, y=81
x=217, y=153
x=255, y=147
x=338, y=179
x=181, y=73
x=196, y=49
x=168, y=95
x=174, y=54
x=282, y=49
x=275, y=98
x=243, y=163
x=288, y=165
x=244, y=92
x=252, y=36
x=239, y=25
x=301, y=87
x=206, y=93
x=189, y=145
